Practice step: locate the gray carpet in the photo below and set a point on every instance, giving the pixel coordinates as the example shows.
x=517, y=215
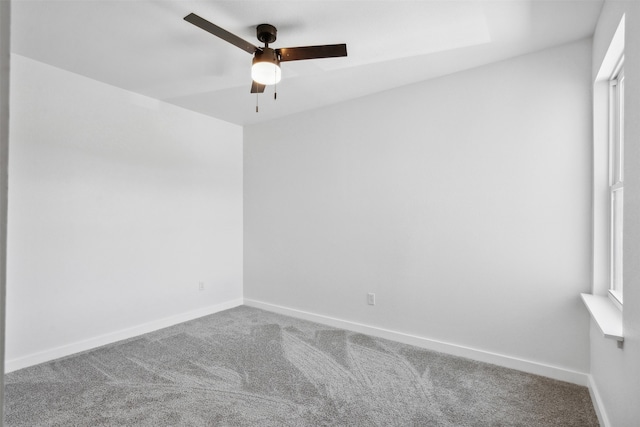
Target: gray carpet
x=249, y=367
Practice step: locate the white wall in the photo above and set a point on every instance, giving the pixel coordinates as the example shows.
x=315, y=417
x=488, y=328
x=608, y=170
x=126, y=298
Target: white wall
x=462, y=202
x=5, y=59
x=119, y=206
x=616, y=372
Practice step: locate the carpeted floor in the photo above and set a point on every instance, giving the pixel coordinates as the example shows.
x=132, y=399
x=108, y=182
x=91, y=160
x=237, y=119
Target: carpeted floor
x=249, y=367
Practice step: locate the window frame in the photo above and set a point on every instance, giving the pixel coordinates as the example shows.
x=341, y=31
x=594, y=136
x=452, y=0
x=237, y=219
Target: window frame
x=616, y=182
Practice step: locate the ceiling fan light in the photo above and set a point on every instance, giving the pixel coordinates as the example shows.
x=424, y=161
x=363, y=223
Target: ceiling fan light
x=266, y=73
x=266, y=67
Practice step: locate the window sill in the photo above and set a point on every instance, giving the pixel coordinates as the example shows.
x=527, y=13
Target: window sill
x=606, y=315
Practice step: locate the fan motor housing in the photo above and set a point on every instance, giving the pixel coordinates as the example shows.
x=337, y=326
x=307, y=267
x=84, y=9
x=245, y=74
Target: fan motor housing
x=266, y=33
x=266, y=55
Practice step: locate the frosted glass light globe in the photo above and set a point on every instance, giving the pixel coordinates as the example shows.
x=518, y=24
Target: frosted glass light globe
x=266, y=73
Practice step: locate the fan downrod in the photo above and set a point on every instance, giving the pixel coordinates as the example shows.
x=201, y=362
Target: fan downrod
x=266, y=33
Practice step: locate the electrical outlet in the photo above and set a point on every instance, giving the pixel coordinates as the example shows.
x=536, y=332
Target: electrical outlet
x=201, y=286
x=371, y=299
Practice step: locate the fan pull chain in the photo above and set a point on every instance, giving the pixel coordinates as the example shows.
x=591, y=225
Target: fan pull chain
x=256, y=102
x=275, y=86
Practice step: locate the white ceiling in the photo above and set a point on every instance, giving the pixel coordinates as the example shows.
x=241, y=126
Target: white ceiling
x=146, y=46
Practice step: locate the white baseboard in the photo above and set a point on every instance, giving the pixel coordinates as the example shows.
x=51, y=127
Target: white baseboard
x=448, y=348
x=528, y=366
x=598, y=405
x=88, y=344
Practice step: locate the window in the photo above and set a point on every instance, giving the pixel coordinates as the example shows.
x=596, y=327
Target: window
x=616, y=178
x=605, y=302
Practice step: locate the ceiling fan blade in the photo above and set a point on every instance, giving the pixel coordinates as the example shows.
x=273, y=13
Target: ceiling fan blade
x=257, y=87
x=220, y=32
x=312, y=52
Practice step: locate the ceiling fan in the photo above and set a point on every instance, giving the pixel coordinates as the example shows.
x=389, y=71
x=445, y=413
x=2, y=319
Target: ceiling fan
x=265, y=69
